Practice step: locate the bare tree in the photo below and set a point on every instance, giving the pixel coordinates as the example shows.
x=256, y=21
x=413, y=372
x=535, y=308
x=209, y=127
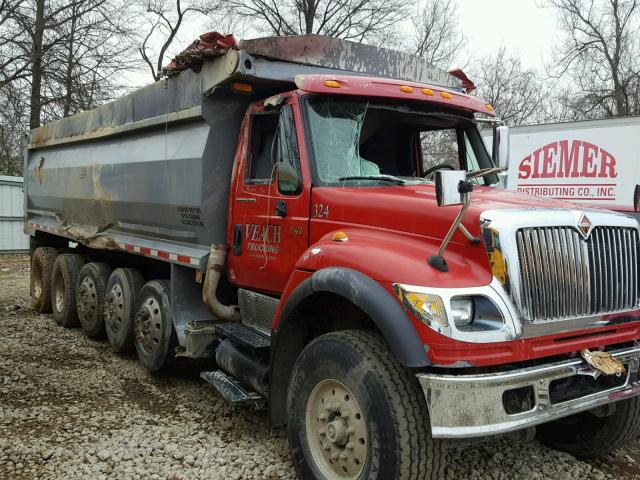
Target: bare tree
x=97, y=45
x=13, y=59
x=514, y=92
x=436, y=35
x=164, y=19
x=58, y=57
x=13, y=116
x=600, y=55
x=357, y=20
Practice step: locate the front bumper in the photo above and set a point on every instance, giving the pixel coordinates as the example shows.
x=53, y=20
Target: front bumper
x=467, y=406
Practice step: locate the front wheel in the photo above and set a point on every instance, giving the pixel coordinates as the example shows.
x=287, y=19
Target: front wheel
x=355, y=413
x=589, y=435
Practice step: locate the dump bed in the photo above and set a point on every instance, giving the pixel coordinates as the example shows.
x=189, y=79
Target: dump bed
x=150, y=172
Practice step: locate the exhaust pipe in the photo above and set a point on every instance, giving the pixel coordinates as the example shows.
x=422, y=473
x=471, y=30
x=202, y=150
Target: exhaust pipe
x=215, y=266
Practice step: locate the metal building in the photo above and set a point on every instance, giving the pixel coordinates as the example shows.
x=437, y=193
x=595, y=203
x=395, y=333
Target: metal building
x=12, y=237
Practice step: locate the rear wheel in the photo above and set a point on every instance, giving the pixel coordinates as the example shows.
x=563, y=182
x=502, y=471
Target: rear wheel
x=90, y=291
x=355, y=413
x=120, y=305
x=40, y=278
x=588, y=435
x=155, y=338
x=64, y=279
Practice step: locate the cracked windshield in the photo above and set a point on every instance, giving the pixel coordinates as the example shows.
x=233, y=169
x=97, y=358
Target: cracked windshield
x=362, y=144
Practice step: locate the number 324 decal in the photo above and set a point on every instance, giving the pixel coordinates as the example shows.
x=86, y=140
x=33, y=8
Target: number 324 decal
x=320, y=210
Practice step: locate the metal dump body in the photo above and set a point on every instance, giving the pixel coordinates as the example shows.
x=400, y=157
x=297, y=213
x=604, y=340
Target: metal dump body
x=150, y=172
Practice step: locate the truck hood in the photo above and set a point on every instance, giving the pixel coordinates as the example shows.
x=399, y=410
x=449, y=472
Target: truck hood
x=413, y=208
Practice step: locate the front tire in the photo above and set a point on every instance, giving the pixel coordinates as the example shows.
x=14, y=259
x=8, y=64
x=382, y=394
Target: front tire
x=155, y=338
x=355, y=413
x=586, y=435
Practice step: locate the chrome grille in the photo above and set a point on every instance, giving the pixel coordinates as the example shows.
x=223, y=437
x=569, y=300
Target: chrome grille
x=565, y=276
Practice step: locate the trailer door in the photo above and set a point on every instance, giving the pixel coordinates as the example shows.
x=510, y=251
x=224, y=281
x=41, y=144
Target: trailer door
x=270, y=208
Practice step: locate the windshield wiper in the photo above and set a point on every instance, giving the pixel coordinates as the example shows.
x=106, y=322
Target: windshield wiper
x=384, y=178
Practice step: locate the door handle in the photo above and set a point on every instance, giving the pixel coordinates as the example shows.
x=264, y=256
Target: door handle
x=281, y=208
x=237, y=240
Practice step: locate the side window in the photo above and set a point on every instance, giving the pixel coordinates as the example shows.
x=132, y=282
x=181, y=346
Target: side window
x=439, y=147
x=261, y=161
x=289, y=177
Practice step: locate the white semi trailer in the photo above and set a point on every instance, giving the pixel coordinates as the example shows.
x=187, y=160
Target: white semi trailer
x=590, y=162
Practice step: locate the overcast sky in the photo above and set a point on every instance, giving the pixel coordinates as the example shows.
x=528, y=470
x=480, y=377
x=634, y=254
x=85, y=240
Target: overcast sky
x=520, y=25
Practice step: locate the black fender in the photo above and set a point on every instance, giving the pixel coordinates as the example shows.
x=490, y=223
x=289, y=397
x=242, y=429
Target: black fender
x=379, y=305
x=368, y=295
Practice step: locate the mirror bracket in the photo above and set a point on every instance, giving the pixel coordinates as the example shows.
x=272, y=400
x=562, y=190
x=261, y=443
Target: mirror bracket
x=464, y=189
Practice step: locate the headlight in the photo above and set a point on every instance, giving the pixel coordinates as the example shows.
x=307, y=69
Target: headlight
x=426, y=307
x=462, y=311
x=446, y=314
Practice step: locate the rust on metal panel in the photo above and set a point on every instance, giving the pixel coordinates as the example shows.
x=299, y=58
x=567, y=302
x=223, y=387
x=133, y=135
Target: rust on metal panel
x=318, y=50
x=38, y=172
x=99, y=192
x=91, y=236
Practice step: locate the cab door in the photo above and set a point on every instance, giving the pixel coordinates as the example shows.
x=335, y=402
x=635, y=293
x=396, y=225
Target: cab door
x=270, y=205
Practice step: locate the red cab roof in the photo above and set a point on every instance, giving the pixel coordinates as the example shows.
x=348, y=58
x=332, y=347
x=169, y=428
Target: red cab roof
x=387, y=88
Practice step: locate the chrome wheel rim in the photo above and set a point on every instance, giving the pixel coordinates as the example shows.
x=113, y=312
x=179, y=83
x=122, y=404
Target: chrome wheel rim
x=114, y=309
x=336, y=430
x=87, y=302
x=149, y=332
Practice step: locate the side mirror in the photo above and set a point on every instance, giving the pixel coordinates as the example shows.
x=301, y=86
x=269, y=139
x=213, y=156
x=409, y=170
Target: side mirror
x=447, y=187
x=636, y=199
x=288, y=179
x=500, y=152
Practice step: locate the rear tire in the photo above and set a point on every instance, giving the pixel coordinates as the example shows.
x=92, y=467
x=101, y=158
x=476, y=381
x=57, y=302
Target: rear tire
x=40, y=278
x=155, y=338
x=354, y=412
x=586, y=435
x=120, y=306
x=64, y=279
x=90, y=292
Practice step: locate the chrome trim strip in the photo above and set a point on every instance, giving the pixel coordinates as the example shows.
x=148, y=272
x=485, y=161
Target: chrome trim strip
x=467, y=406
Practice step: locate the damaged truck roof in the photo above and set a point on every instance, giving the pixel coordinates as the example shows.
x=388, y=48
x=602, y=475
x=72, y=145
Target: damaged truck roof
x=271, y=64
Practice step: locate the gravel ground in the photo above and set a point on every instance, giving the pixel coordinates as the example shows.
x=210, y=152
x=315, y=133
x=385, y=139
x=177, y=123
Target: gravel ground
x=70, y=408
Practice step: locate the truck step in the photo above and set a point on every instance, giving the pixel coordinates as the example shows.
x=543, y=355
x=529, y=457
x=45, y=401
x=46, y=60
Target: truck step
x=244, y=336
x=231, y=390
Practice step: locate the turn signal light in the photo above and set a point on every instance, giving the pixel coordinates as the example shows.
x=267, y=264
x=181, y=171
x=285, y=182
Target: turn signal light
x=339, y=237
x=331, y=83
x=242, y=87
x=489, y=107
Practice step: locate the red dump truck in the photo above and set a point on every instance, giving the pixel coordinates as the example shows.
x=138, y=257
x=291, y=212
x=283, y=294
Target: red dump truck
x=316, y=219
